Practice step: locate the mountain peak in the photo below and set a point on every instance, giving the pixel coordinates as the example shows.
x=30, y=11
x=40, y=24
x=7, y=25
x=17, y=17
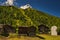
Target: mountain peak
x=26, y=6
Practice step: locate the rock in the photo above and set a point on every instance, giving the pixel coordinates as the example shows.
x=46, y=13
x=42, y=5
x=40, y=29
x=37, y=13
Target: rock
x=54, y=30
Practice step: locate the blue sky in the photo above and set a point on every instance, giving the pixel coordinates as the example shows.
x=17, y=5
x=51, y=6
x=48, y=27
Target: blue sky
x=50, y=6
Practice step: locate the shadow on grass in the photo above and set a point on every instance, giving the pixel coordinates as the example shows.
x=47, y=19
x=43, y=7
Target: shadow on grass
x=40, y=37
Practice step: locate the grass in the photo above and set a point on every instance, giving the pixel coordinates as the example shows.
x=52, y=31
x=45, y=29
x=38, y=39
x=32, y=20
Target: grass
x=19, y=38
x=47, y=37
x=24, y=38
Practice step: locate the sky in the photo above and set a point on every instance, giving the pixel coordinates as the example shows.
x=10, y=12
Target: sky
x=51, y=7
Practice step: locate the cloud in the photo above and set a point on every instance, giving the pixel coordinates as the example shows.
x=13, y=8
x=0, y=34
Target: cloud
x=9, y=2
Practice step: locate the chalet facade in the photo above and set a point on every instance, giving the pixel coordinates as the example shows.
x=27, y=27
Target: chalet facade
x=6, y=29
x=29, y=31
x=43, y=29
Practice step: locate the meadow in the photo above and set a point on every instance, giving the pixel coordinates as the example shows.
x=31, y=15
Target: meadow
x=47, y=37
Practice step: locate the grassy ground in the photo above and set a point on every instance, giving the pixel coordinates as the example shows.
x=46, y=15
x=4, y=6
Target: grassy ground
x=47, y=37
x=20, y=38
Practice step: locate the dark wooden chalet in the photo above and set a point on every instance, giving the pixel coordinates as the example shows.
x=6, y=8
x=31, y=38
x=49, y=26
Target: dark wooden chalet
x=29, y=31
x=1, y=29
x=6, y=29
x=9, y=29
x=43, y=29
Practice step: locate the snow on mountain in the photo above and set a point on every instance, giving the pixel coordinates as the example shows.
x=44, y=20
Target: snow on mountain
x=25, y=6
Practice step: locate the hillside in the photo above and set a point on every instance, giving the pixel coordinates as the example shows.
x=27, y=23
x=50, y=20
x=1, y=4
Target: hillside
x=28, y=17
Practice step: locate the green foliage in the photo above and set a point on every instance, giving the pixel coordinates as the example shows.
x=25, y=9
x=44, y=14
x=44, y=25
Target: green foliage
x=28, y=17
x=58, y=30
